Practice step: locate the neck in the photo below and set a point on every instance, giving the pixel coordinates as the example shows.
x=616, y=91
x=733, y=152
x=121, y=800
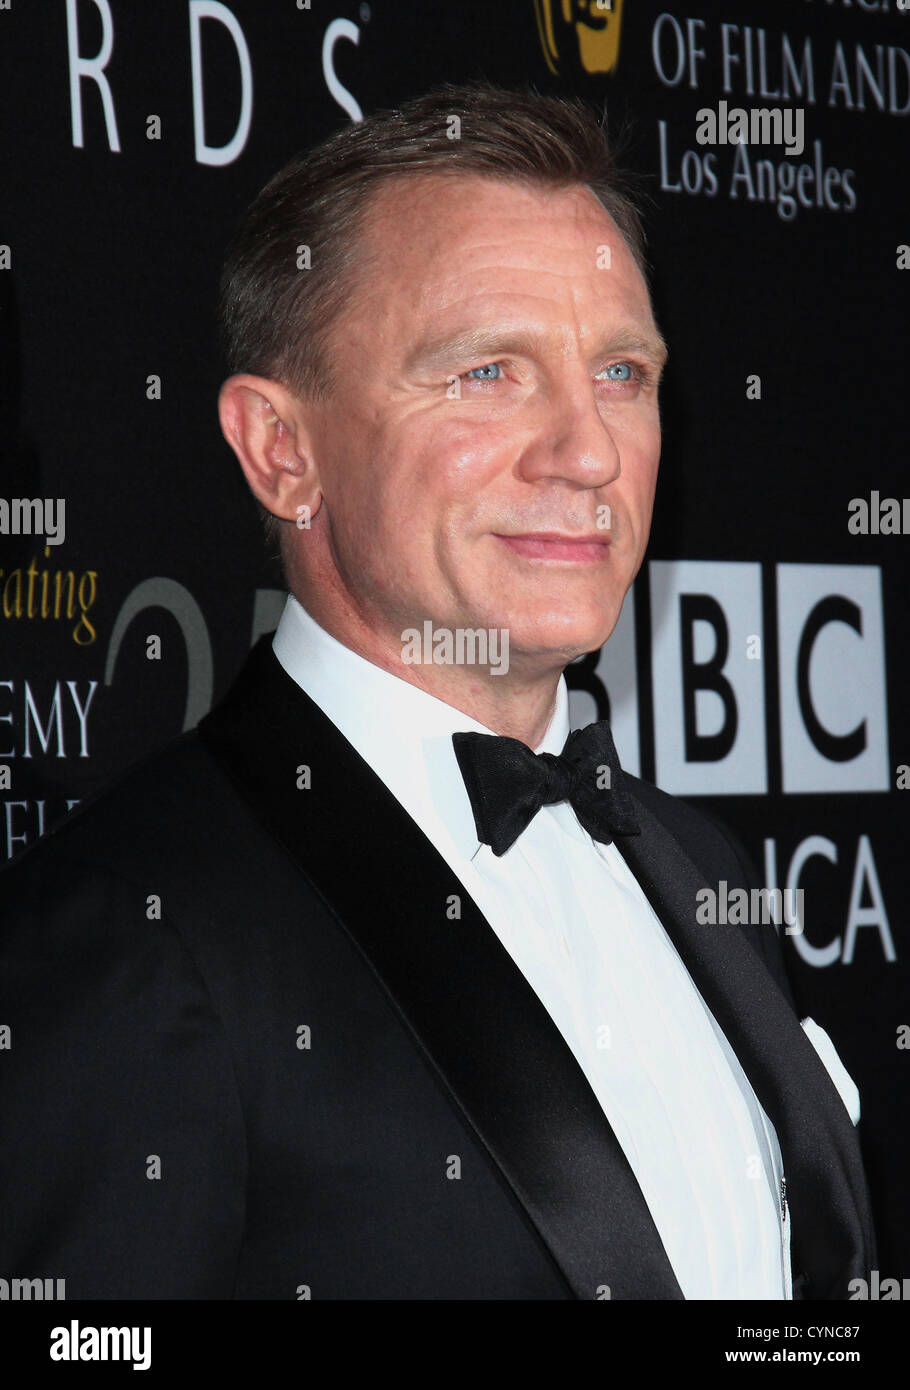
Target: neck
x=516, y=703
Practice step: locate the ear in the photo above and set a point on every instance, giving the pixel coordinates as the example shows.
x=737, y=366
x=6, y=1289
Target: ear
x=266, y=426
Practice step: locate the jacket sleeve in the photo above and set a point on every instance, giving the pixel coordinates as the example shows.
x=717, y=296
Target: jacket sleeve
x=122, y=1156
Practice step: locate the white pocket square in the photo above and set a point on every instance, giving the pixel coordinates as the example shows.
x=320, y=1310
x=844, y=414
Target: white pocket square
x=846, y=1086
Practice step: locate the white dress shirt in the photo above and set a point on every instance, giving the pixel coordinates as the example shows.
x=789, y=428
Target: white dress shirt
x=578, y=926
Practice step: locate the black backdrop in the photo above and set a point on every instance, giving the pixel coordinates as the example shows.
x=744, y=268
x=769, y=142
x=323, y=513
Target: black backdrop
x=110, y=373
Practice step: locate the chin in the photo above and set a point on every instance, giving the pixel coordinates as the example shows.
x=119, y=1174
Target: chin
x=563, y=637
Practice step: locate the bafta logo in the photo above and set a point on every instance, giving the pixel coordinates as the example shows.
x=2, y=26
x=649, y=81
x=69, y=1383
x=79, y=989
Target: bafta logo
x=594, y=46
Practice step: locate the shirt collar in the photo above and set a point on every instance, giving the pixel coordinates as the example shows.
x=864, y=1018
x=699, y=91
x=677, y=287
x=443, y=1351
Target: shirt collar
x=401, y=731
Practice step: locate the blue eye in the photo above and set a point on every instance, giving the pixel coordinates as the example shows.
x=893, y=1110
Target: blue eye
x=487, y=367
x=618, y=367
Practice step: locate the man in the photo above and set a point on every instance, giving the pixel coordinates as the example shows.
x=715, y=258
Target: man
x=350, y=994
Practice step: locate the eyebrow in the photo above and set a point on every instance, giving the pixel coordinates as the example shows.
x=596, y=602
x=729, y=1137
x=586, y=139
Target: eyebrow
x=444, y=349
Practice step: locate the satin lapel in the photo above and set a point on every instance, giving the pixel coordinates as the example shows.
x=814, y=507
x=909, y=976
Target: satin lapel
x=489, y=1039
x=831, y=1229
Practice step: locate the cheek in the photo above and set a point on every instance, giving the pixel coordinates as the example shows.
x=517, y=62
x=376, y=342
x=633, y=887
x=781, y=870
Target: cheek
x=441, y=473
x=367, y=487
x=410, y=503
x=644, y=502
x=461, y=457
x=641, y=458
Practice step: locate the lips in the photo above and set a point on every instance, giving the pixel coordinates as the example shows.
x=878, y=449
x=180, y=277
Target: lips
x=551, y=545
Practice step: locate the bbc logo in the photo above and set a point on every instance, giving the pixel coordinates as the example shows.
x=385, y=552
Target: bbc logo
x=709, y=644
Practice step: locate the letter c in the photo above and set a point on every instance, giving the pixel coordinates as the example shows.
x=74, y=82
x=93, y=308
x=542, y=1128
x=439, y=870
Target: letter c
x=839, y=748
x=339, y=29
x=805, y=850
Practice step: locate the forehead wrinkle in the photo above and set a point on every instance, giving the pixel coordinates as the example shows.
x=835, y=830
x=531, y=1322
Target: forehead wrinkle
x=505, y=338
x=482, y=258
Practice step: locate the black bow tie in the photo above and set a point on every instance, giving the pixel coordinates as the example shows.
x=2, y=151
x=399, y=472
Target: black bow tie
x=508, y=783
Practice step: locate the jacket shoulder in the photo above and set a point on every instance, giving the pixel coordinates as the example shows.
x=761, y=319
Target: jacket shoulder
x=161, y=807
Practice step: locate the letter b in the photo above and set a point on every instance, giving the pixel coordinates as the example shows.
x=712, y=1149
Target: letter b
x=709, y=702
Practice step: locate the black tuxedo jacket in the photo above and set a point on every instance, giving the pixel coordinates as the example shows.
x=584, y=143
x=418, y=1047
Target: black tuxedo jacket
x=254, y=1055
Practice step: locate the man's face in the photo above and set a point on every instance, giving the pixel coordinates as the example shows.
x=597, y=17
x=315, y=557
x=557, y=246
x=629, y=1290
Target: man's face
x=496, y=405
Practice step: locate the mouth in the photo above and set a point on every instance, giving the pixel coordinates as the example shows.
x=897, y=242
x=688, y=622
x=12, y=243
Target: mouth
x=551, y=545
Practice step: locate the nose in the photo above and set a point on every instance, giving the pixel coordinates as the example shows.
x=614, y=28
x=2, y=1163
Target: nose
x=573, y=442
